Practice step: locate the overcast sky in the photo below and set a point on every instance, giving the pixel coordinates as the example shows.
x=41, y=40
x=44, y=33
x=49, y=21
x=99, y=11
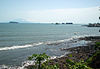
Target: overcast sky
x=44, y=11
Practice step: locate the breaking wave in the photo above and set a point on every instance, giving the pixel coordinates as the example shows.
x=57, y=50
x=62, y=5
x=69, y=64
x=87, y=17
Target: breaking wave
x=40, y=43
x=24, y=46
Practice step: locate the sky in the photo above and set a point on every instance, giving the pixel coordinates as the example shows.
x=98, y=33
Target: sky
x=50, y=11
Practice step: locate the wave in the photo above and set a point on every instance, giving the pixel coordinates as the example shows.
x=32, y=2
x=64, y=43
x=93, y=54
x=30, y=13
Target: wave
x=18, y=47
x=40, y=43
x=64, y=40
x=27, y=63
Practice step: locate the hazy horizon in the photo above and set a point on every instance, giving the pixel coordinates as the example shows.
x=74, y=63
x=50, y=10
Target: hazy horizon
x=50, y=11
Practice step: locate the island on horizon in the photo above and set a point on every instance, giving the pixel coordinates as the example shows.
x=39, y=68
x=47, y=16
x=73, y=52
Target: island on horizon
x=13, y=22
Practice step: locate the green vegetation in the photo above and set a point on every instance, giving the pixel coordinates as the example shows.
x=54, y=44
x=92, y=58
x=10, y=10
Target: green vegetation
x=48, y=66
x=92, y=62
x=38, y=61
x=39, y=58
x=97, y=45
x=70, y=55
x=76, y=65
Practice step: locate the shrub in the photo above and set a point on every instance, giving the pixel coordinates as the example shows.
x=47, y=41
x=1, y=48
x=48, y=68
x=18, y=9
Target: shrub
x=97, y=46
x=94, y=61
x=46, y=66
x=76, y=65
x=39, y=58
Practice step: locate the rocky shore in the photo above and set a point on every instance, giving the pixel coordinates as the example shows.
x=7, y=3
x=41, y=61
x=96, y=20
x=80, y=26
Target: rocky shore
x=93, y=25
x=78, y=53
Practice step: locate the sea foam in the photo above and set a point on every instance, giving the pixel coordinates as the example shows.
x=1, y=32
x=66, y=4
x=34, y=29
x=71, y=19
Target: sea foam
x=39, y=43
x=23, y=46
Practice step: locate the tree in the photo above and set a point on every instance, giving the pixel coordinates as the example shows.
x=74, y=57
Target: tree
x=38, y=58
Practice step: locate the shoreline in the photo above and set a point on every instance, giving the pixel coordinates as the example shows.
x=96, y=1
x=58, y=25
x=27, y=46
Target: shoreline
x=78, y=53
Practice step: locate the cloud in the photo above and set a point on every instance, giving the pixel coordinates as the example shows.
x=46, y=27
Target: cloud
x=77, y=15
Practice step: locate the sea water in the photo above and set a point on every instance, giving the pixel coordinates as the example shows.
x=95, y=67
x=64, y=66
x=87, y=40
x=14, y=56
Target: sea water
x=18, y=41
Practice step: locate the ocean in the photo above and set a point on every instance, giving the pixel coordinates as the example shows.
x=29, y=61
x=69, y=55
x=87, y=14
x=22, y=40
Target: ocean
x=18, y=41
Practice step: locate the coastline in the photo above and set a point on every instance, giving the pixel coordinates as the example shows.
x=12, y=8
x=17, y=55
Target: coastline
x=78, y=53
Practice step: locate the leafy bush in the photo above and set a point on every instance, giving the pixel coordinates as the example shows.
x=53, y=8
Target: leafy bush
x=76, y=65
x=97, y=46
x=70, y=62
x=94, y=61
x=98, y=43
x=39, y=58
x=70, y=55
x=46, y=66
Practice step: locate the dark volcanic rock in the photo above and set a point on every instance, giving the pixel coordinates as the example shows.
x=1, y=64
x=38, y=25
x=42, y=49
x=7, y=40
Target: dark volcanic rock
x=91, y=38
